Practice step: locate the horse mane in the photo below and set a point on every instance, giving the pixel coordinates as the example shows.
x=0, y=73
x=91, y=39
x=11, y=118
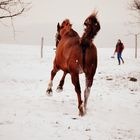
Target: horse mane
x=57, y=36
x=65, y=29
x=92, y=27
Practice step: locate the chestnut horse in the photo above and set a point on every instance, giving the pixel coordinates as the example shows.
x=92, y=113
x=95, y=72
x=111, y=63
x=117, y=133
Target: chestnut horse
x=75, y=55
x=67, y=25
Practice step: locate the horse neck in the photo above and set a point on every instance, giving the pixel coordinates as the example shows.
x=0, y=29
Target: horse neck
x=65, y=31
x=71, y=33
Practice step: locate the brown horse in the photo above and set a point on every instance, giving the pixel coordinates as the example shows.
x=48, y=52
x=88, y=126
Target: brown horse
x=75, y=55
x=66, y=25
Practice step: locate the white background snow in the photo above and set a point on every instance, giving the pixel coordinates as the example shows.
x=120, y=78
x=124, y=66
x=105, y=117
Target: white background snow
x=27, y=113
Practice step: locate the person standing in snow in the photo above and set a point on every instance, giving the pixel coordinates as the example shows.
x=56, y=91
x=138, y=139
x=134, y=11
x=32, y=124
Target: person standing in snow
x=119, y=48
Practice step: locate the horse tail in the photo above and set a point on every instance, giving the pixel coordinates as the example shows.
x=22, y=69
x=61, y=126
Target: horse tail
x=91, y=30
x=84, y=45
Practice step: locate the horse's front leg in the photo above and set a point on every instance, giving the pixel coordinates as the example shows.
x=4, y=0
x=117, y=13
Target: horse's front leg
x=61, y=83
x=50, y=84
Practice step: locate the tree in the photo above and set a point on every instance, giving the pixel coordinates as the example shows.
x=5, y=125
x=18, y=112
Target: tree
x=135, y=6
x=12, y=8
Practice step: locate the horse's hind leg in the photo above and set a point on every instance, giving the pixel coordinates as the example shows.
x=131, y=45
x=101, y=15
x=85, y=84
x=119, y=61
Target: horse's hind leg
x=89, y=81
x=75, y=81
x=61, y=83
x=86, y=95
x=50, y=84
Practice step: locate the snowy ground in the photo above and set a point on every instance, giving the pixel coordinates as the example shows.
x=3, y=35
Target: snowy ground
x=27, y=113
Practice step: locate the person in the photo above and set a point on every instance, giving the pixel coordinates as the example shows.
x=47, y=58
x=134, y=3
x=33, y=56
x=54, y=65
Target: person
x=119, y=48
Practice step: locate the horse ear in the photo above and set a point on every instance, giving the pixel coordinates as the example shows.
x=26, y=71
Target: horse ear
x=58, y=26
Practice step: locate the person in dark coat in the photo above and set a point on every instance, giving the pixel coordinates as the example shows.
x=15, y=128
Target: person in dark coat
x=119, y=48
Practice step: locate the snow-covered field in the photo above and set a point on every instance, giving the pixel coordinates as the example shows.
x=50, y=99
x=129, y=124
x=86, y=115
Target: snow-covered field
x=27, y=113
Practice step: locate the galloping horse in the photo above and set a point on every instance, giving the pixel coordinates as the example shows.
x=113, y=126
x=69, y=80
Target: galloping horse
x=75, y=55
x=67, y=25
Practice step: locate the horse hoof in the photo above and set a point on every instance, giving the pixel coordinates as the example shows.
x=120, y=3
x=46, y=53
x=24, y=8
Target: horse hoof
x=49, y=92
x=82, y=111
x=59, y=89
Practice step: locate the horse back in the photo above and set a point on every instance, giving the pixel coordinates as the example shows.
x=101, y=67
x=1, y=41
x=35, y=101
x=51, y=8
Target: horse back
x=67, y=49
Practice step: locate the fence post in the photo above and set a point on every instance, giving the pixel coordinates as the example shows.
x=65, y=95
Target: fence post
x=42, y=44
x=135, y=45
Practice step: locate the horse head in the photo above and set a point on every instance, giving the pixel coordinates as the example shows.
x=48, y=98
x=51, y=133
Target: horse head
x=63, y=28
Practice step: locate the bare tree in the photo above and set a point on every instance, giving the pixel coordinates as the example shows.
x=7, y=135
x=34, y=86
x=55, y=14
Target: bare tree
x=136, y=5
x=12, y=8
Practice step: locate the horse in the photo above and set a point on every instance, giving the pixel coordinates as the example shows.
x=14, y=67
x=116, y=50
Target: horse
x=75, y=55
x=67, y=25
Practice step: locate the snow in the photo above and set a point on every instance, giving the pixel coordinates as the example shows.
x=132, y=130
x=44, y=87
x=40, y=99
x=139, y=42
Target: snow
x=27, y=113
